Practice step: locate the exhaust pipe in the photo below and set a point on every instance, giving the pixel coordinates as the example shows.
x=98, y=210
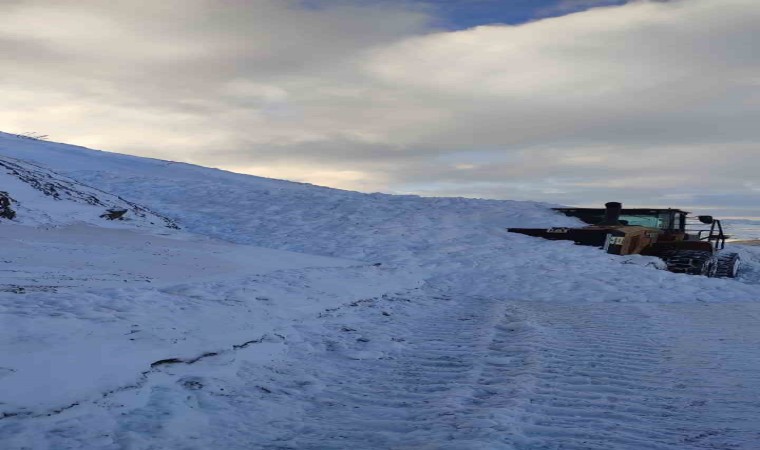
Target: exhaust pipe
x=612, y=213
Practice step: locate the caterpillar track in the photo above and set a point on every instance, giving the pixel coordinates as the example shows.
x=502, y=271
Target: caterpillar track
x=692, y=262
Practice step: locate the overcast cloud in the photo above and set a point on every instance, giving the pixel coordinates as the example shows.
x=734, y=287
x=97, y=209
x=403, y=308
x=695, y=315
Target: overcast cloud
x=650, y=103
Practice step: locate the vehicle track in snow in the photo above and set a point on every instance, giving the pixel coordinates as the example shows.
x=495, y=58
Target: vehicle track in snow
x=605, y=383
x=430, y=371
x=396, y=381
x=481, y=373
x=441, y=388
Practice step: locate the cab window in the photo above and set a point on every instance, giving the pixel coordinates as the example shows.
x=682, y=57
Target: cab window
x=661, y=221
x=640, y=221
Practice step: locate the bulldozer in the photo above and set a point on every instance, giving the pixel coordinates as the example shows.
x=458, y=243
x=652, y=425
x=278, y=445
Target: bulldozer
x=668, y=234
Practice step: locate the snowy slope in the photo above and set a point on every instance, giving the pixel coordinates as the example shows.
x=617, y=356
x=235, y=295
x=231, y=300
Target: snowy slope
x=466, y=337
x=283, y=214
x=89, y=311
x=442, y=234
x=40, y=196
x=89, y=305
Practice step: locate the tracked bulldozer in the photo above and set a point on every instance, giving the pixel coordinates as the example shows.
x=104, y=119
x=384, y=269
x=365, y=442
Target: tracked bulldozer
x=668, y=234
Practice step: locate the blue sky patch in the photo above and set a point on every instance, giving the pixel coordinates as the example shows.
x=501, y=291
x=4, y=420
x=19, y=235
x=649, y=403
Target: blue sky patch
x=462, y=14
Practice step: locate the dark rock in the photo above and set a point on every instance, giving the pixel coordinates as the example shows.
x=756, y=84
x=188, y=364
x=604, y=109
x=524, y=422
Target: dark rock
x=114, y=214
x=191, y=383
x=6, y=212
x=62, y=188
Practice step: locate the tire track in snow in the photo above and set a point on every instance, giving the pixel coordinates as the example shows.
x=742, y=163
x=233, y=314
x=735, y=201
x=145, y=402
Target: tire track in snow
x=477, y=373
x=601, y=384
x=609, y=381
x=441, y=387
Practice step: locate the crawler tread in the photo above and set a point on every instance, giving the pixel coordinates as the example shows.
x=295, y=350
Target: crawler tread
x=692, y=262
x=728, y=265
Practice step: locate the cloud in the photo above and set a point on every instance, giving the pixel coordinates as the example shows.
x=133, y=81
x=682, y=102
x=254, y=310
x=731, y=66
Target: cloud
x=648, y=103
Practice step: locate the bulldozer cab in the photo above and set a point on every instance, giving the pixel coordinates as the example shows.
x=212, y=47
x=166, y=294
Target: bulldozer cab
x=681, y=241
x=675, y=225
x=668, y=220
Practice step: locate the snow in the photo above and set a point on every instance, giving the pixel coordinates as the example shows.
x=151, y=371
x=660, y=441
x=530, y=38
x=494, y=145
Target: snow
x=101, y=305
x=43, y=197
x=286, y=315
x=743, y=229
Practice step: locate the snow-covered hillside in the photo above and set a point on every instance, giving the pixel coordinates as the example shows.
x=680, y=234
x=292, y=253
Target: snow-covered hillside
x=399, y=321
x=283, y=214
x=40, y=196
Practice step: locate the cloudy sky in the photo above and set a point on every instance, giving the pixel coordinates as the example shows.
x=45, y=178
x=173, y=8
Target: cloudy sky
x=573, y=102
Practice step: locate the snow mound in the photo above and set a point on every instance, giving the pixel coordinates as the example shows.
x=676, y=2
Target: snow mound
x=40, y=196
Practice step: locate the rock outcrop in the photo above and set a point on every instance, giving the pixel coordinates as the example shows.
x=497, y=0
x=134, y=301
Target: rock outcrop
x=32, y=205
x=6, y=211
x=114, y=214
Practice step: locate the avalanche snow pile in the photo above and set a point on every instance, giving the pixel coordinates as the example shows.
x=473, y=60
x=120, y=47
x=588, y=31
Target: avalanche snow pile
x=286, y=315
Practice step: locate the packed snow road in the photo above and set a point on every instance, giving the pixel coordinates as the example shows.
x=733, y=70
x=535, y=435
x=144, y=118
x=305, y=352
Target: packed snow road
x=485, y=373
x=448, y=371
